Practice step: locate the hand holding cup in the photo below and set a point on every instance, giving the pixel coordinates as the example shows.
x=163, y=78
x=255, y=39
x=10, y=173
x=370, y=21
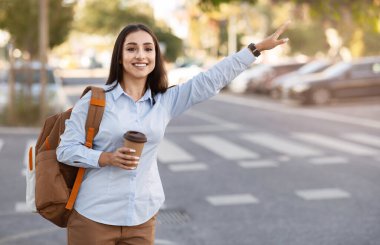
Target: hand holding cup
x=134, y=140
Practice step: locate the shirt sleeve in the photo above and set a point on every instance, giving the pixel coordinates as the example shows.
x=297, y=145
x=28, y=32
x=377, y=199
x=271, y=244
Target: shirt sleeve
x=71, y=149
x=206, y=84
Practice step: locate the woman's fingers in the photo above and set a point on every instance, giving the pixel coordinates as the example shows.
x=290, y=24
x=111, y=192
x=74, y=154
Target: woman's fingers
x=124, y=159
x=126, y=150
x=281, y=30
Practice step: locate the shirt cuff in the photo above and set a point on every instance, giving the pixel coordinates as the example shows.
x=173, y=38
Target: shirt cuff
x=93, y=158
x=245, y=56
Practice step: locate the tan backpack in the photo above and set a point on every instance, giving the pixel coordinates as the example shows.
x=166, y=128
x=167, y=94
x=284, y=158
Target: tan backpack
x=57, y=184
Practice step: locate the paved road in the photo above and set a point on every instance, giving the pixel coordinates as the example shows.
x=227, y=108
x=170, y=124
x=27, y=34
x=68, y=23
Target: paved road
x=241, y=171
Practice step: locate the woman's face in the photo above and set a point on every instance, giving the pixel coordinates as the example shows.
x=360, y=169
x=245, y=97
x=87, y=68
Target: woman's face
x=139, y=56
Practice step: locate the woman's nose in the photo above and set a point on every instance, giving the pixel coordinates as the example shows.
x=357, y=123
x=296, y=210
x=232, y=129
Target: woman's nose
x=140, y=54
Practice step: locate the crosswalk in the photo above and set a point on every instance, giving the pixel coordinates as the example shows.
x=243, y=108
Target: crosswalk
x=243, y=149
x=337, y=144
x=257, y=150
x=312, y=148
x=316, y=148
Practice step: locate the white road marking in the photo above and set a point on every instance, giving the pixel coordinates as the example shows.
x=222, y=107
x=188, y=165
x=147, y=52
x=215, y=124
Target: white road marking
x=185, y=167
x=6, y=239
x=212, y=119
x=364, y=138
x=29, y=143
x=322, y=194
x=258, y=164
x=199, y=128
x=281, y=145
x=283, y=158
x=312, y=113
x=237, y=199
x=169, y=152
x=21, y=207
x=163, y=242
x=328, y=160
x=1, y=144
x=224, y=148
x=337, y=144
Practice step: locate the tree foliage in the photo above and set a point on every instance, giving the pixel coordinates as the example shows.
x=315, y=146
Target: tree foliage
x=119, y=15
x=208, y=5
x=364, y=13
x=20, y=18
x=357, y=22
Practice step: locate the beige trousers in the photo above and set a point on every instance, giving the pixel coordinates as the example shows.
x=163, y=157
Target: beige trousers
x=83, y=231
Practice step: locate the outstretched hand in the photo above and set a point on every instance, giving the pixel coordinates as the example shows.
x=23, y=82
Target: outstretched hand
x=273, y=41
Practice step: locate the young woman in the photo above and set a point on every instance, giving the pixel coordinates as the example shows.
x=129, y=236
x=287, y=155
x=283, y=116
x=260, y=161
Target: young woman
x=121, y=194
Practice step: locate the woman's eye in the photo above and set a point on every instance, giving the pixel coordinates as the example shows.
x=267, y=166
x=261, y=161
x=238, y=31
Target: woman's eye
x=131, y=49
x=149, y=49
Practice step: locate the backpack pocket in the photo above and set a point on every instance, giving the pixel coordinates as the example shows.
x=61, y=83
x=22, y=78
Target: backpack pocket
x=31, y=181
x=52, y=193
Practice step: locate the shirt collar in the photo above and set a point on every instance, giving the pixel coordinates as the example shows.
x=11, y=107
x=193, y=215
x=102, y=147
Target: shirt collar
x=118, y=91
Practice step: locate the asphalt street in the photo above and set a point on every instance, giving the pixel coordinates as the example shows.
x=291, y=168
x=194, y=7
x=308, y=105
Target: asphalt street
x=240, y=170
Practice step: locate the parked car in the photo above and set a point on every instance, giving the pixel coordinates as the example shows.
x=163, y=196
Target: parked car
x=342, y=80
x=29, y=75
x=262, y=84
x=275, y=87
x=183, y=74
x=256, y=72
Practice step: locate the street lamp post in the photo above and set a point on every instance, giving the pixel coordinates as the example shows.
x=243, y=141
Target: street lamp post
x=43, y=46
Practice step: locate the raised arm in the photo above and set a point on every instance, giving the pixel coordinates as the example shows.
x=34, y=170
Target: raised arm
x=207, y=84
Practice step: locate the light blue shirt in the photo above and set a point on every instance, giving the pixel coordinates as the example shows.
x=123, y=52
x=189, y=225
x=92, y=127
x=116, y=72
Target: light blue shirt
x=114, y=196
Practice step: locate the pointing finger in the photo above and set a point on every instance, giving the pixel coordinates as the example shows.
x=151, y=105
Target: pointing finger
x=281, y=29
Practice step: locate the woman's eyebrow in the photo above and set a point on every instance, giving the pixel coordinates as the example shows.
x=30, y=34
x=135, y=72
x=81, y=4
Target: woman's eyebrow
x=133, y=43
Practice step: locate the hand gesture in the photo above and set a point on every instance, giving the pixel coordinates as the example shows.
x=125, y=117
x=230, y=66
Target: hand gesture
x=273, y=41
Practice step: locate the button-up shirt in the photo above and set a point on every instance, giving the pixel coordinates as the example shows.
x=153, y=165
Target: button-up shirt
x=114, y=196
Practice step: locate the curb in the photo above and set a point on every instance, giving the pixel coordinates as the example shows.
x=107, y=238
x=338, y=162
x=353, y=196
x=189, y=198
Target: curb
x=19, y=130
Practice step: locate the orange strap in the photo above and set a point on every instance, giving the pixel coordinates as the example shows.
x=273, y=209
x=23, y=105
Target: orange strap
x=90, y=137
x=47, y=144
x=31, y=158
x=75, y=190
x=98, y=102
x=97, y=99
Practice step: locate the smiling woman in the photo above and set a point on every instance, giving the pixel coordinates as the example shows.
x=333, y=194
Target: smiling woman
x=137, y=46
x=138, y=60
x=118, y=204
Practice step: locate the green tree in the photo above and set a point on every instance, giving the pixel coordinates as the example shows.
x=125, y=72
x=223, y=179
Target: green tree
x=20, y=19
x=365, y=13
x=357, y=22
x=119, y=14
x=207, y=5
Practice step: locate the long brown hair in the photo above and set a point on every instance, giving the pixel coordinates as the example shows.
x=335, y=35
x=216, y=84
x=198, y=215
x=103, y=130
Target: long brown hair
x=157, y=79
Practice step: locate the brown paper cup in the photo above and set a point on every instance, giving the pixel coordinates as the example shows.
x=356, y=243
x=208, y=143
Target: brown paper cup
x=135, y=140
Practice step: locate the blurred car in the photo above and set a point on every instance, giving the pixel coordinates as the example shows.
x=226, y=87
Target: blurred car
x=275, y=87
x=342, y=80
x=257, y=72
x=262, y=83
x=182, y=74
x=29, y=75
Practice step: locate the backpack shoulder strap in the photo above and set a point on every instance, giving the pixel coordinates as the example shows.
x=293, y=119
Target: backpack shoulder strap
x=95, y=113
x=94, y=118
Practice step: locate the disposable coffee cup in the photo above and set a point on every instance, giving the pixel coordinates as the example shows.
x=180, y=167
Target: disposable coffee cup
x=135, y=140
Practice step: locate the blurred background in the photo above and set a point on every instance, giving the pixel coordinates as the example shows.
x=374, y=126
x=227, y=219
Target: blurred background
x=77, y=36
x=309, y=108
